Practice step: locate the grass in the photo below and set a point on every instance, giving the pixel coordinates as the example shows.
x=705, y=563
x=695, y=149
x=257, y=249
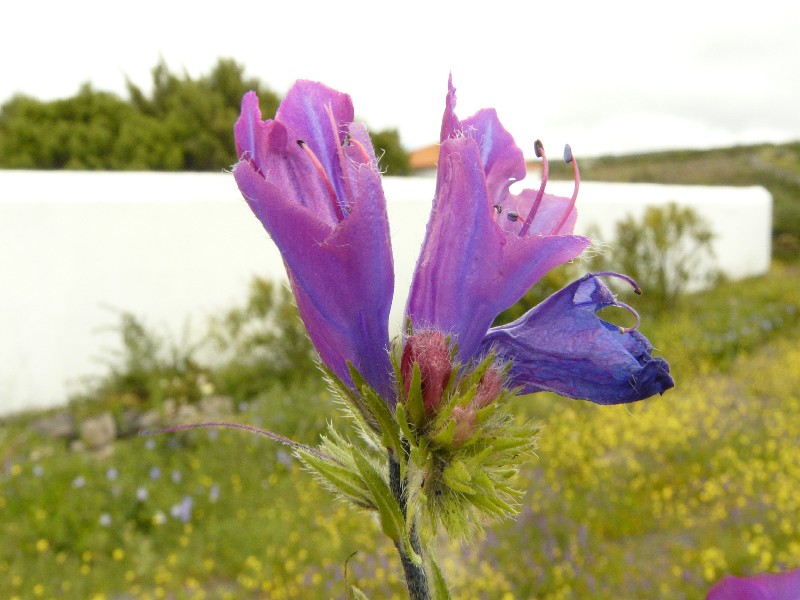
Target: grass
x=652, y=500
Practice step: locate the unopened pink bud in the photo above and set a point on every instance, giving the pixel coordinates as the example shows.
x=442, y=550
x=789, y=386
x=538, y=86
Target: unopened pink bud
x=430, y=351
x=464, y=416
x=489, y=388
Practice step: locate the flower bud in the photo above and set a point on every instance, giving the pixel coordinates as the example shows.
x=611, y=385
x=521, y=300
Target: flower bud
x=428, y=349
x=464, y=416
x=489, y=388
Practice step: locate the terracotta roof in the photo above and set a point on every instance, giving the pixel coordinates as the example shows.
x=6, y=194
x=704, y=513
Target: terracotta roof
x=428, y=156
x=424, y=158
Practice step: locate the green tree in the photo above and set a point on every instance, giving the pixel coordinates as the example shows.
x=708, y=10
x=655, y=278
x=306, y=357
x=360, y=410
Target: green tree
x=185, y=125
x=393, y=158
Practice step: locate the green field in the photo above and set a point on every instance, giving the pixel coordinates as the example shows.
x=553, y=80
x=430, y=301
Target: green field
x=652, y=500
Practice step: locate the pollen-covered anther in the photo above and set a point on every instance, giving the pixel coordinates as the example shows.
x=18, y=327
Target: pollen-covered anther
x=539, y=149
x=325, y=180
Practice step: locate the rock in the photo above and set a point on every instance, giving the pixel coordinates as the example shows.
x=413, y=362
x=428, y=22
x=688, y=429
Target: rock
x=134, y=422
x=58, y=425
x=216, y=407
x=98, y=432
x=187, y=414
x=150, y=419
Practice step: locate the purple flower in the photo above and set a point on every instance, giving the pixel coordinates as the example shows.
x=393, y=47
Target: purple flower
x=770, y=586
x=484, y=247
x=483, y=250
x=311, y=177
x=562, y=346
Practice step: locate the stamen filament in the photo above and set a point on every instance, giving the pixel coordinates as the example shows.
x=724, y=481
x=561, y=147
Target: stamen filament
x=631, y=310
x=360, y=147
x=636, y=289
x=343, y=202
x=327, y=182
x=568, y=158
x=539, y=149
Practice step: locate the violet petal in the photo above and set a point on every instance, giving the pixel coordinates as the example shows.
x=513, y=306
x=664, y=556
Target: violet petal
x=562, y=346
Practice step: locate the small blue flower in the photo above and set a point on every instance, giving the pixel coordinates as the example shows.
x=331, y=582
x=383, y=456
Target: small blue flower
x=183, y=510
x=105, y=519
x=112, y=474
x=155, y=473
x=79, y=482
x=213, y=493
x=142, y=494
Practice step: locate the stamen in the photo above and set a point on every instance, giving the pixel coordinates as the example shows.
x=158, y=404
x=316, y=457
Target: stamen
x=360, y=147
x=497, y=210
x=539, y=149
x=343, y=202
x=568, y=158
x=631, y=310
x=636, y=289
x=327, y=182
x=513, y=216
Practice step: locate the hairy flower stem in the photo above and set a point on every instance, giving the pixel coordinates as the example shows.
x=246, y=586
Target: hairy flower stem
x=416, y=579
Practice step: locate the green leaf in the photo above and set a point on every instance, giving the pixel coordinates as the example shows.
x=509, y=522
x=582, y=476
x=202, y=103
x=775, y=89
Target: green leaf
x=392, y=520
x=357, y=594
x=380, y=412
x=347, y=395
x=438, y=585
x=339, y=478
x=444, y=437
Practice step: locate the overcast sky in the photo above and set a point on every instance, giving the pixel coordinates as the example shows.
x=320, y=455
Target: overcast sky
x=608, y=77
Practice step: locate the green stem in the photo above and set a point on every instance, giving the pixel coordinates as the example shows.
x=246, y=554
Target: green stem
x=416, y=578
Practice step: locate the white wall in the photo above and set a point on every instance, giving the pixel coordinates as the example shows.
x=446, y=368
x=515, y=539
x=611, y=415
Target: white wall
x=174, y=248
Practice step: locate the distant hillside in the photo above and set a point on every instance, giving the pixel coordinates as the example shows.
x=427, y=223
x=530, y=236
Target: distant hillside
x=776, y=167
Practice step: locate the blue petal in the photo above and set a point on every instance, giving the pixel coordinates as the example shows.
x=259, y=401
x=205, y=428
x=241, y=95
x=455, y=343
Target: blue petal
x=562, y=346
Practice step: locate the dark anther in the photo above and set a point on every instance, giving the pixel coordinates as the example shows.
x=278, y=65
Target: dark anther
x=498, y=208
x=301, y=143
x=513, y=216
x=567, y=154
x=538, y=147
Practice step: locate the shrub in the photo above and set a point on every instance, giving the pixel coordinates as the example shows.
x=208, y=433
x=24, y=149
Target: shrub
x=667, y=252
